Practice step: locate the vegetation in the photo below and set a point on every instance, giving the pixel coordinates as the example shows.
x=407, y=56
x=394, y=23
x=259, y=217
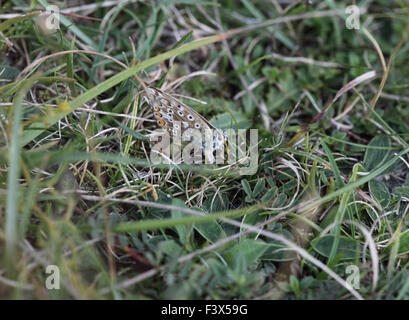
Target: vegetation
x=82, y=208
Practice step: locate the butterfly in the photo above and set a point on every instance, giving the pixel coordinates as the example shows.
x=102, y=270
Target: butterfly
x=176, y=117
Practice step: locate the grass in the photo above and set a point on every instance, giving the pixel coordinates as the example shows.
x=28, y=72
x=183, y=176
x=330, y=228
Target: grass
x=323, y=217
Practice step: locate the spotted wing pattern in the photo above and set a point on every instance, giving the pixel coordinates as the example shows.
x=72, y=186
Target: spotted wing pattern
x=176, y=117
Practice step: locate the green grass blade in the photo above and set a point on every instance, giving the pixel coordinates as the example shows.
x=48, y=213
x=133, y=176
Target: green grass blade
x=6, y=24
x=14, y=168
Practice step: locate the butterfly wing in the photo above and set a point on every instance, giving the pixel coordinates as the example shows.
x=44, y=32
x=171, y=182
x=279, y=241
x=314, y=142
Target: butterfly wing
x=176, y=117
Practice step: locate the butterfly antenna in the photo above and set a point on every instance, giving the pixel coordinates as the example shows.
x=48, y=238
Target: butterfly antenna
x=141, y=81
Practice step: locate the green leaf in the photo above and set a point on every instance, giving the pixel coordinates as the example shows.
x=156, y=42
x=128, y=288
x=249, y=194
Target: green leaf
x=401, y=192
x=133, y=133
x=280, y=200
x=403, y=243
x=309, y=282
x=339, y=183
x=184, y=39
x=295, y=285
x=249, y=248
x=183, y=231
x=330, y=217
x=227, y=120
x=170, y=247
x=211, y=231
x=375, y=157
x=350, y=248
x=260, y=186
x=246, y=188
x=269, y=195
x=276, y=252
x=8, y=73
x=380, y=192
x=239, y=266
